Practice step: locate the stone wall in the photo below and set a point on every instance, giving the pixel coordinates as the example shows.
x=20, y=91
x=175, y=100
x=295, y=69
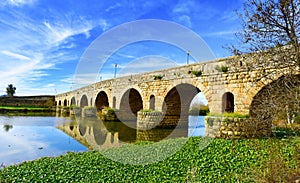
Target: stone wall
x=39, y=101
x=148, y=120
x=236, y=128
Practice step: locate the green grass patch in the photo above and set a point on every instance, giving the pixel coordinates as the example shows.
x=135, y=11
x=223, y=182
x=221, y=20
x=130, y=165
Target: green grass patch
x=221, y=161
x=22, y=107
x=232, y=115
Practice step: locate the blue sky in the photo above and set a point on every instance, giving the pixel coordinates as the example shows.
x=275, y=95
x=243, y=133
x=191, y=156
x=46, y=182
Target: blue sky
x=42, y=41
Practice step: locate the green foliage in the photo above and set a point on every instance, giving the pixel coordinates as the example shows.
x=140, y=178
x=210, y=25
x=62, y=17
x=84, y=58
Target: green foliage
x=73, y=106
x=10, y=90
x=280, y=132
x=297, y=119
x=197, y=73
x=202, y=111
x=49, y=103
x=221, y=161
x=232, y=115
x=148, y=110
x=222, y=68
x=145, y=110
x=158, y=77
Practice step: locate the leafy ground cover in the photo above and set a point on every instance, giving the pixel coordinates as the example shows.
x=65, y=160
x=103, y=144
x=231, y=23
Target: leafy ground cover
x=220, y=161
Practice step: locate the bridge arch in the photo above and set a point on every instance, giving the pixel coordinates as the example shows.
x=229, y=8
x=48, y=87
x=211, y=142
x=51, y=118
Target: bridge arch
x=228, y=102
x=277, y=97
x=73, y=101
x=152, y=102
x=65, y=102
x=114, y=102
x=177, y=104
x=207, y=92
x=84, y=101
x=101, y=100
x=131, y=102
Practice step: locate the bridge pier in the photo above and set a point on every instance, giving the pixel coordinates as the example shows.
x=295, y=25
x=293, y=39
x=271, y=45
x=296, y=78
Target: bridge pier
x=236, y=128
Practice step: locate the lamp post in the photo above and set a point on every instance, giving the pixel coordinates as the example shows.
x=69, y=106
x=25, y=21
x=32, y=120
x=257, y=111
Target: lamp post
x=187, y=56
x=116, y=65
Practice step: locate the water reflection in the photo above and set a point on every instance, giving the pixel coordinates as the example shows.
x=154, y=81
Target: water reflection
x=7, y=127
x=91, y=132
x=96, y=135
x=29, y=138
x=26, y=138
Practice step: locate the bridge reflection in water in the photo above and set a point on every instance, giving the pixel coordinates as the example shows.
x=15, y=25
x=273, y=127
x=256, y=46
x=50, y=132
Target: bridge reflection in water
x=97, y=135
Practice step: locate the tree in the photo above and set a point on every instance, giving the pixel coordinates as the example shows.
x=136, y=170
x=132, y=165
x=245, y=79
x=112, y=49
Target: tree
x=267, y=24
x=10, y=90
x=270, y=36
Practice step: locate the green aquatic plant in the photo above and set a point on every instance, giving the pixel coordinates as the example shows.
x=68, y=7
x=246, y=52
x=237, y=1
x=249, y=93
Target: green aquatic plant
x=220, y=160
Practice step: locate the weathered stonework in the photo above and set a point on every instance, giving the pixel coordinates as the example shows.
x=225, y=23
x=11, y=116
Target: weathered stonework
x=235, y=128
x=149, y=120
x=89, y=112
x=239, y=81
x=108, y=114
x=76, y=111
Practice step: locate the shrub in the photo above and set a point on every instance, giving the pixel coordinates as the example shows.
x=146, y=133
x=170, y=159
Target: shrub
x=222, y=68
x=197, y=73
x=158, y=77
x=232, y=115
x=49, y=103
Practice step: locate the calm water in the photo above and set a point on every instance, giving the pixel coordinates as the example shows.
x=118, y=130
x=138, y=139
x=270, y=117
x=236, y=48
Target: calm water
x=28, y=138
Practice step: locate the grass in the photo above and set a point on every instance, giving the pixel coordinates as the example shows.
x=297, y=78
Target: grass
x=232, y=115
x=22, y=107
x=221, y=161
x=26, y=110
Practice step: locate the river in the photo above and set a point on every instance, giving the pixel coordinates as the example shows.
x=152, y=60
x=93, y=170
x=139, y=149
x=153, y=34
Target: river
x=25, y=138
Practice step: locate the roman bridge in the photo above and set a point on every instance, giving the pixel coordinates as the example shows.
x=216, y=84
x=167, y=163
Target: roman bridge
x=228, y=85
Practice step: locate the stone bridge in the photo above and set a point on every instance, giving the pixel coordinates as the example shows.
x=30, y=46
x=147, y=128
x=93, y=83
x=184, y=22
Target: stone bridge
x=228, y=85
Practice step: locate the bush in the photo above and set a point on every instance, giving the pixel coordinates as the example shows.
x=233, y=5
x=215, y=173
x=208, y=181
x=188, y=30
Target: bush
x=222, y=68
x=158, y=77
x=232, y=115
x=197, y=73
x=49, y=103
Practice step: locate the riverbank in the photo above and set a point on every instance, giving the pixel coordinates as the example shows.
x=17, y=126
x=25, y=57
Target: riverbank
x=26, y=110
x=198, y=160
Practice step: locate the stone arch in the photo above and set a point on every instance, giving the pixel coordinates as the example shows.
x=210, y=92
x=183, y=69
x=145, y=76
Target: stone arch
x=114, y=102
x=152, y=102
x=207, y=92
x=177, y=103
x=65, y=102
x=59, y=102
x=83, y=101
x=275, y=97
x=131, y=102
x=228, y=102
x=101, y=101
x=82, y=129
x=73, y=101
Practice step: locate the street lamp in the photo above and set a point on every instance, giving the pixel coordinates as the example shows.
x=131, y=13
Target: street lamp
x=187, y=56
x=116, y=65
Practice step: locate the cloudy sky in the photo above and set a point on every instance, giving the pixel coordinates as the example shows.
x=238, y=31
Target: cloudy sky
x=42, y=42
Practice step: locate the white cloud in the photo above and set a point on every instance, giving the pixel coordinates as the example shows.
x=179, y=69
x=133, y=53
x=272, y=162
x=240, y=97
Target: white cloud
x=185, y=20
x=29, y=47
x=20, y=2
x=15, y=55
x=113, y=7
x=146, y=64
x=60, y=32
